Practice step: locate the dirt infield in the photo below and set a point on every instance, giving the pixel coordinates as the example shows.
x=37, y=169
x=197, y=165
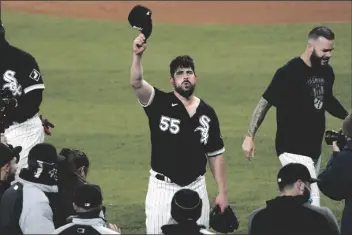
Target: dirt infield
x=196, y=11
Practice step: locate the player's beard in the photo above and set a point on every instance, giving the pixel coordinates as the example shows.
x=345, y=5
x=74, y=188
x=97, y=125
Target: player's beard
x=185, y=92
x=318, y=61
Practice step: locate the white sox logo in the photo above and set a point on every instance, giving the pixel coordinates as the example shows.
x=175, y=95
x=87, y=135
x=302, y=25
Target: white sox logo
x=204, y=128
x=11, y=83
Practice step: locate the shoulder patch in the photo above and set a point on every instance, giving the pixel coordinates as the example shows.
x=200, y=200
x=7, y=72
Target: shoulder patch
x=35, y=75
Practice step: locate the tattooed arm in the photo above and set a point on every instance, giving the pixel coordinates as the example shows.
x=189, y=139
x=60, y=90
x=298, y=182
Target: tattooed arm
x=271, y=97
x=258, y=116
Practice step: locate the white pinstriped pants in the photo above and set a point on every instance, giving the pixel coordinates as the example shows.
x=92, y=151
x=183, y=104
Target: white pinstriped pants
x=313, y=168
x=26, y=134
x=158, y=202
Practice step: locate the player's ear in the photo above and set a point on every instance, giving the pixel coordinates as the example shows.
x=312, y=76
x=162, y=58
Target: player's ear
x=300, y=186
x=310, y=46
x=6, y=167
x=172, y=80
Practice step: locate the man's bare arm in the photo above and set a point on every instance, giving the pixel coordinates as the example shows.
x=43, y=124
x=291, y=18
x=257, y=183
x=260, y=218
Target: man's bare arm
x=258, y=116
x=144, y=91
x=217, y=166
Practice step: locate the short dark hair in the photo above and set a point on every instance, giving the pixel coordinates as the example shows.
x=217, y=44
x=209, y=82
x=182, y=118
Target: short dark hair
x=79, y=158
x=184, y=61
x=321, y=31
x=283, y=187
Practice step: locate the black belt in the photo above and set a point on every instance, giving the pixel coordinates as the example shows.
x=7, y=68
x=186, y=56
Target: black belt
x=163, y=178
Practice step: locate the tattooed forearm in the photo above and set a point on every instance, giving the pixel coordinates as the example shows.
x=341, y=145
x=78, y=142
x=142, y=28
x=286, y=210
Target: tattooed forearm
x=258, y=116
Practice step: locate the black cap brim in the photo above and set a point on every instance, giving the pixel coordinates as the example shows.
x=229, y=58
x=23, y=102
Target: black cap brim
x=313, y=180
x=17, y=150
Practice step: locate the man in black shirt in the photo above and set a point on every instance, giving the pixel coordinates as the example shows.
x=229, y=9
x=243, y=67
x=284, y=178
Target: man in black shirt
x=185, y=133
x=290, y=213
x=301, y=91
x=22, y=83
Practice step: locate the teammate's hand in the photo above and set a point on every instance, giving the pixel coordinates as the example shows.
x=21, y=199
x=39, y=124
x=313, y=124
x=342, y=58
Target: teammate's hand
x=46, y=125
x=139, y=45
x=222, y=202
x=248, y=147
x=113, y=227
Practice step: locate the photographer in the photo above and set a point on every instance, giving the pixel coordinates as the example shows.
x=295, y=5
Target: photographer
x=73, y=172
x=336, y=179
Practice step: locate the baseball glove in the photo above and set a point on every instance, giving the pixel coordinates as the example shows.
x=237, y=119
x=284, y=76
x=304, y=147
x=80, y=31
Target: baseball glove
x=225, y=222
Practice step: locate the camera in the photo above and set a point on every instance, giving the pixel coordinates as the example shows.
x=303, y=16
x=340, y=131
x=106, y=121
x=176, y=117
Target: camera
x=339, y=137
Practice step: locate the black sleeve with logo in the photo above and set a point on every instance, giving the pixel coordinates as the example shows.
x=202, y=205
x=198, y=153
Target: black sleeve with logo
x=276, y=89
x=215, y=145
x=32, y=86
x=31, y=78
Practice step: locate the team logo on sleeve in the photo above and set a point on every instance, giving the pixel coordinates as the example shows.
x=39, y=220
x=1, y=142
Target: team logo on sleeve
x=204, y=129
x=35, y=75
x=11, y=83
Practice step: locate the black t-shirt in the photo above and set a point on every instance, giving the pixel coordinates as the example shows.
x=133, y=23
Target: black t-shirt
x=180, y=143
x=287, y=215
x=21, y=77
x=299, y=93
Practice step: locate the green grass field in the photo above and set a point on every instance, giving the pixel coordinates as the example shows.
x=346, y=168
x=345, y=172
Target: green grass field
x=88, y=97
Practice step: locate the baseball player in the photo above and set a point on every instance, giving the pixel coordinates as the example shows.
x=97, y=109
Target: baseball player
x=301, y=90
x=185, y=133
x=21, y=83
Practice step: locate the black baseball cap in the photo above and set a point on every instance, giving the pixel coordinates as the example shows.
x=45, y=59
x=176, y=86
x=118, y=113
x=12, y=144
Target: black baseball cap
x=186, y=205
x=293, y=172
x=44, y=152
x=88, y=196
x=140, y=17
x=7, y=153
